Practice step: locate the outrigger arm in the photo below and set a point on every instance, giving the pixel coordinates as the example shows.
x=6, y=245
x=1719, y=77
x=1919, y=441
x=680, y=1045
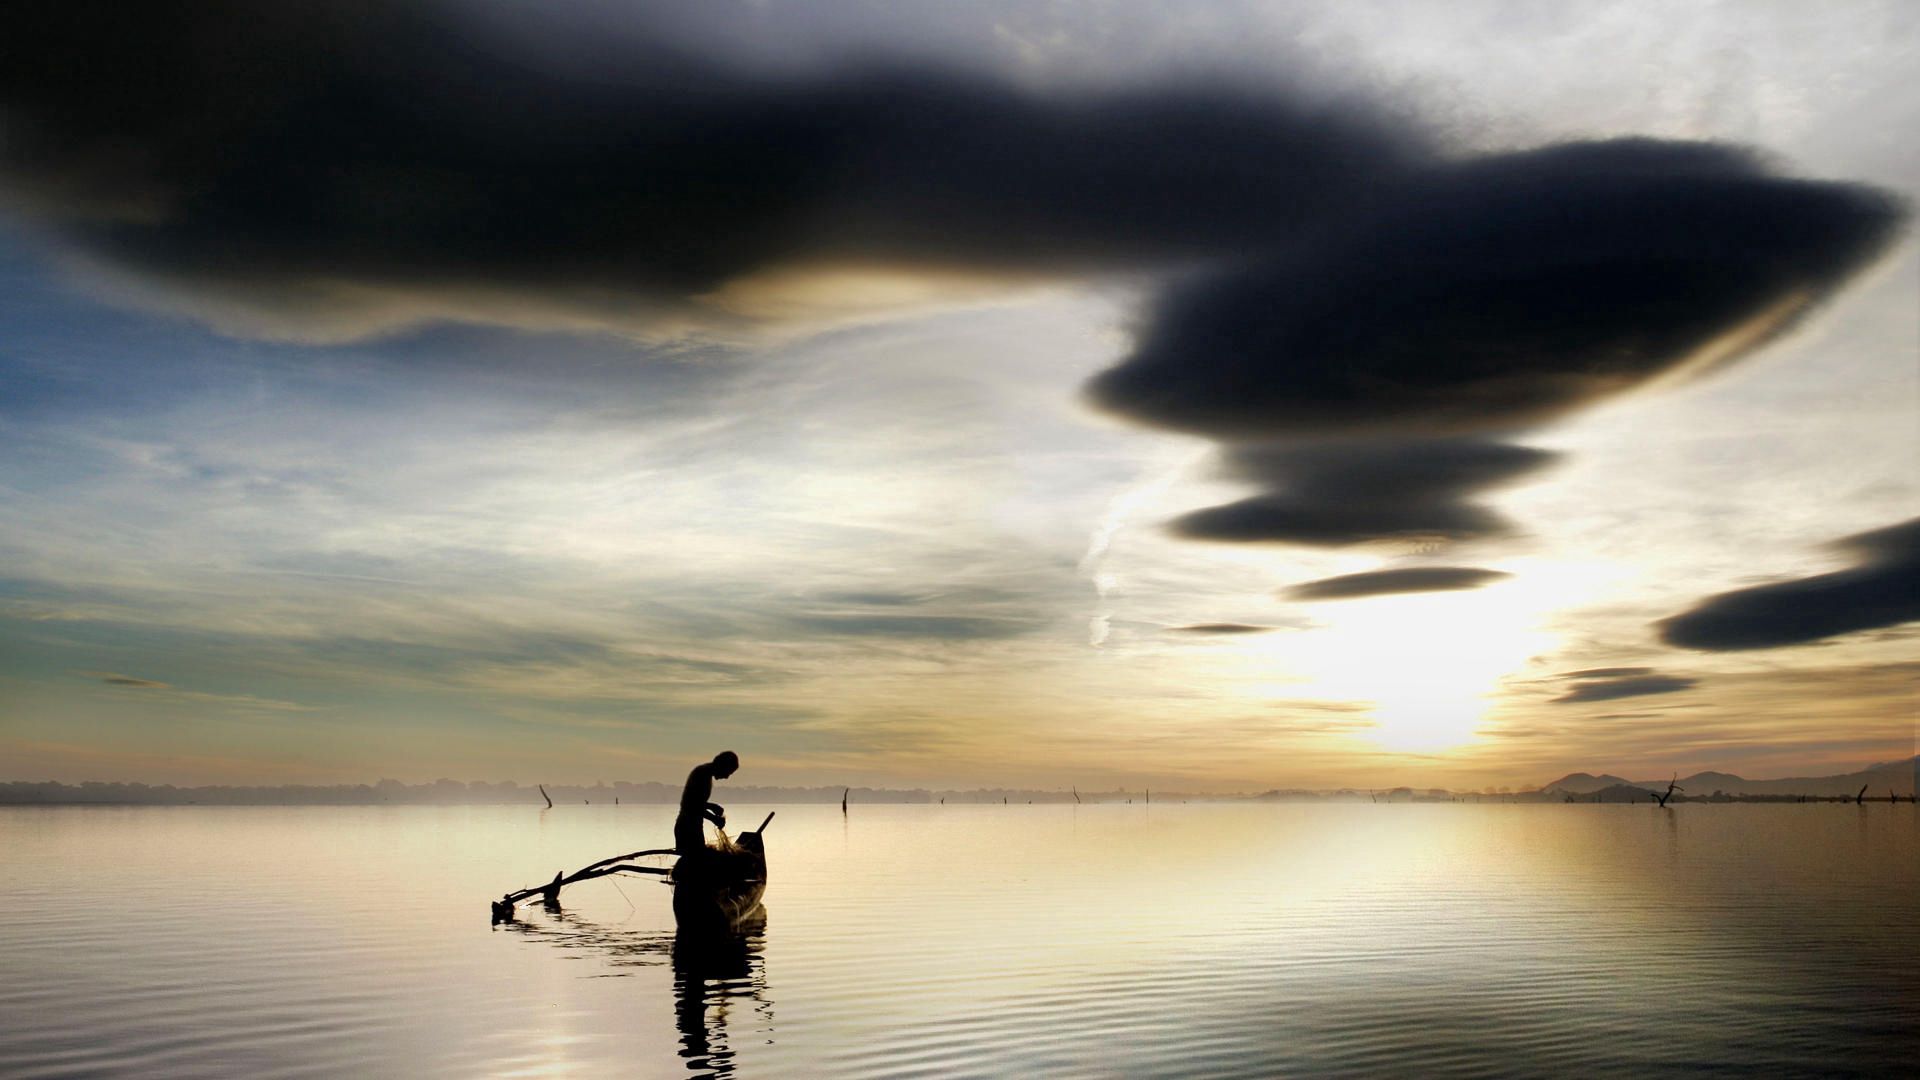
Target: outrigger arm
x=550, y=892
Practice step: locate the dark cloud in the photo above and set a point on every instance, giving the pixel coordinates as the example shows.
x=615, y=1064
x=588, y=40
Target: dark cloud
x=1593, y=688
x=1483, y=297
x=354, y=165
x=1221, y=628
x=345, y=168
x=1388, y=582
x=1883, y=591
x=1354, y=491
x=1501, y=293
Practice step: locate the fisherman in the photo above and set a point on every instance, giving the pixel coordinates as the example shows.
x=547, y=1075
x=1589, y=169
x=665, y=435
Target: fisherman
x=689, y=836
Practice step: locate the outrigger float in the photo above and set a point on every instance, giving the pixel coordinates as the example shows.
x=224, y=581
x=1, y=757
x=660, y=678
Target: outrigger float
x=718, y=889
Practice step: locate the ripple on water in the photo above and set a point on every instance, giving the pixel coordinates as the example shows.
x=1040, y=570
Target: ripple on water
x=1230, y=941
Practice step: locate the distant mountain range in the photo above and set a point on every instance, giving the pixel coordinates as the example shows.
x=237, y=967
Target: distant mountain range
x=1897, y=776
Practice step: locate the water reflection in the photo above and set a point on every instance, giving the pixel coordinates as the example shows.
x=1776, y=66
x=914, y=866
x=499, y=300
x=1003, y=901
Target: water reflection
x=711, y=971
x=714, y=973
x=1297, y=939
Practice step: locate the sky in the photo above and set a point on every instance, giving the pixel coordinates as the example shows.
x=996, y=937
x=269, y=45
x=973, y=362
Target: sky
x=1212, y=397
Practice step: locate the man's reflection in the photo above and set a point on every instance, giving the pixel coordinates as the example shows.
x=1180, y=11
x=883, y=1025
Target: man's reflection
x=712, y=971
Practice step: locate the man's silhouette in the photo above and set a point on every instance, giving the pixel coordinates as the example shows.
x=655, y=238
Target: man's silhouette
x=688, y=836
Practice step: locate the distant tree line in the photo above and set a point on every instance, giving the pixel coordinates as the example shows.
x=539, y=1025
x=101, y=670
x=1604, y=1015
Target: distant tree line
x=482, y=793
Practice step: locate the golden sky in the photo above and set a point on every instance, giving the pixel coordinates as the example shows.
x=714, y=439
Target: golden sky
x=402, y=477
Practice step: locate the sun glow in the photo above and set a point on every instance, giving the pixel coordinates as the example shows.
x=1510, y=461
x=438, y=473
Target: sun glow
x=1430, y=663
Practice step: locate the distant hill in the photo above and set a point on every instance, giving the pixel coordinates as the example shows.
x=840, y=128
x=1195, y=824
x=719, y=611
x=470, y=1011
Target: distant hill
x=1895, y=775
x=1632, y=793
x=1586, y=783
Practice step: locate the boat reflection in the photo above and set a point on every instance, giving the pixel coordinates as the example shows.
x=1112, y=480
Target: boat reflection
x=716, y=973
x=712, y=971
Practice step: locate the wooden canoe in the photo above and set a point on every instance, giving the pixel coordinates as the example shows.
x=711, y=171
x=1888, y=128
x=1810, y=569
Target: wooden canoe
x=720, y=888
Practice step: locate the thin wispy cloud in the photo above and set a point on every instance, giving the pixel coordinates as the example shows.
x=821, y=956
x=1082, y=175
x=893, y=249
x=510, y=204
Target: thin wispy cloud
x=127, y=680
x=170, y=694
x=1590, y=687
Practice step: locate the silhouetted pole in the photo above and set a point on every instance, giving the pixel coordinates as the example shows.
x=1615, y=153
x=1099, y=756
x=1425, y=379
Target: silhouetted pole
x=544, y=795
x=1860, y=797
x=843, y=799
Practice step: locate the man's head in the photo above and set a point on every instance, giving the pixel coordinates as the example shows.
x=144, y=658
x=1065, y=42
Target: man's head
x=724, y=763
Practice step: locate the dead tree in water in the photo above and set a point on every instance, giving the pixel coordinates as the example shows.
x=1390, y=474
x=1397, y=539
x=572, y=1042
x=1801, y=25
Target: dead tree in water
x=1672, y=786
x=544, y=795
x=844, y=792
x=1860, y=797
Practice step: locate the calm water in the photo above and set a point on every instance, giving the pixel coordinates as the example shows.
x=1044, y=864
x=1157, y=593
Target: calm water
x=1216, y=940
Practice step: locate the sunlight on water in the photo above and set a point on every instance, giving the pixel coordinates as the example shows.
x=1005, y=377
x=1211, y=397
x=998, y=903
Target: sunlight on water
x=970, y=940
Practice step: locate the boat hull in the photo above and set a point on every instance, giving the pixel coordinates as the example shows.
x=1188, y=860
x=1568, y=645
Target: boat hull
x=721, y=888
